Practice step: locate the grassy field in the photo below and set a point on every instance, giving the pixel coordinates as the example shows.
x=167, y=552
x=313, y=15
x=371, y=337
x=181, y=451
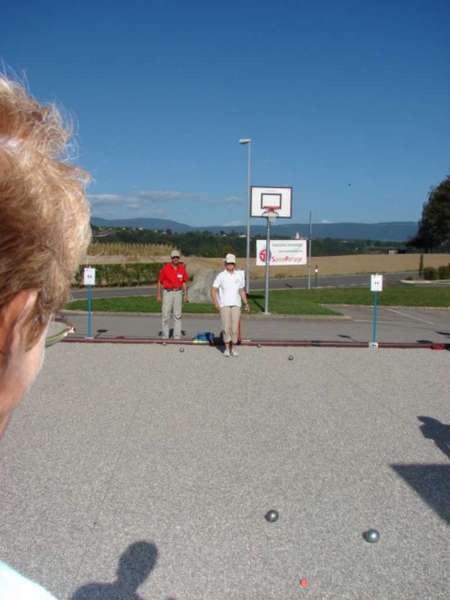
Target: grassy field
x=288, y=302
x=146, y=304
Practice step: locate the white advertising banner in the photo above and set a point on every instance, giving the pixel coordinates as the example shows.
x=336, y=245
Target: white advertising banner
x=282, y=252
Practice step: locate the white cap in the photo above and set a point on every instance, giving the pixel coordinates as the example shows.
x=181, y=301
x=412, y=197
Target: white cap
x=175, y=253
x=230, y=258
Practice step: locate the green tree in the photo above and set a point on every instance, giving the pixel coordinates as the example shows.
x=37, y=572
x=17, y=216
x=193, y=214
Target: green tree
x=434, y=226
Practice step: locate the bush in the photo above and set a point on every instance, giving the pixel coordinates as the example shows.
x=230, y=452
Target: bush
x=125, y=275
x=430, y=273
x=444, y=272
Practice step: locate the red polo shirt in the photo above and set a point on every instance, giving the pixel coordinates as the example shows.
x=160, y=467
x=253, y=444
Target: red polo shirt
x=171, y=277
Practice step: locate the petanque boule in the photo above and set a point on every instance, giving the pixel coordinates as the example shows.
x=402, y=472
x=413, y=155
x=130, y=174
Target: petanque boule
x=181, y=349
x=271, y=516
x=291, y=357
x=372, y=536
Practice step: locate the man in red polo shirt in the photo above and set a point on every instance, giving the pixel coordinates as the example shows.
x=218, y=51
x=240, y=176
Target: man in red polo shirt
x=173, y=279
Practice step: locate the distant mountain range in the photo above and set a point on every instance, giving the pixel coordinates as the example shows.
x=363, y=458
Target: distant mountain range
x=397, y=231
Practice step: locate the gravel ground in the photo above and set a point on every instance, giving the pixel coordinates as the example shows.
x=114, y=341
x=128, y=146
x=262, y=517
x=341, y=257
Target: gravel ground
x=185, y=452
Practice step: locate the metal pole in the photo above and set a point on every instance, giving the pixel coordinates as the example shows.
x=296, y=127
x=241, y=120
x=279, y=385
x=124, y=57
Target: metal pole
x=375, y=316
x=309, y=251
x=89, y=331
x=247, y=264
x=266, y=286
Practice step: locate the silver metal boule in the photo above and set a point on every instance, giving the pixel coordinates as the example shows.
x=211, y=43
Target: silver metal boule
x=291, y=357
x=271, y=516
x=372, y=536
x=181, y=349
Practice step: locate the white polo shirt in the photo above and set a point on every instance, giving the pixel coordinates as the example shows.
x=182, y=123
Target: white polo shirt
x=228, y=286
x=14, y=586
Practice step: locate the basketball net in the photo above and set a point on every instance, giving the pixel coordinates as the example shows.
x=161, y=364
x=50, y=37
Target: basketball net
x=271, y=213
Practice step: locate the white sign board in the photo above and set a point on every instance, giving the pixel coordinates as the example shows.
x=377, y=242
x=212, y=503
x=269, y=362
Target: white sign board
x=376, y=283
x=89, y=276
x=282, y=252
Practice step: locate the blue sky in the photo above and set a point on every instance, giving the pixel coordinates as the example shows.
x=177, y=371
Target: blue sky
x=348, y=102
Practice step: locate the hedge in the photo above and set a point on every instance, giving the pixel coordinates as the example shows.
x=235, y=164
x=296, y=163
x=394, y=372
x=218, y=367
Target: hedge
x=125, y=275
x=431, y=274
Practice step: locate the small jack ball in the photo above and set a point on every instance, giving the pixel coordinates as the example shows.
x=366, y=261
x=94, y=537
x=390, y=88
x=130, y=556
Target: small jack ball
x=372, y=536
x=271, y=516
x=291, y=357
x=181, y=349
x=303, y=582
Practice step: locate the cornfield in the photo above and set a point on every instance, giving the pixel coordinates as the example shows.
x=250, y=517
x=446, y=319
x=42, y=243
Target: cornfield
x=130, y=250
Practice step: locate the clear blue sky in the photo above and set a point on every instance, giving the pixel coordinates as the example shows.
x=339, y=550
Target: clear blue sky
x=348, y=102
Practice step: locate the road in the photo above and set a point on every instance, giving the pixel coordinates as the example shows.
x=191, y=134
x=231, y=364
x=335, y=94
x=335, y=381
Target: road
x=258, y=284
x=395, y=325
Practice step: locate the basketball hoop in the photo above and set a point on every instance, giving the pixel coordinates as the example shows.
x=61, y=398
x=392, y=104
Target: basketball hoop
x=270, y=213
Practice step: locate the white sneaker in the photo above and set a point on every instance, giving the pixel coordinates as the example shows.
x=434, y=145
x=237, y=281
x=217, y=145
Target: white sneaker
x=227, y=353
x=234, y=352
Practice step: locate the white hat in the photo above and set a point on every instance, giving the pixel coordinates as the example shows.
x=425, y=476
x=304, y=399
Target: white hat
x=175, y=253
x=230, y=258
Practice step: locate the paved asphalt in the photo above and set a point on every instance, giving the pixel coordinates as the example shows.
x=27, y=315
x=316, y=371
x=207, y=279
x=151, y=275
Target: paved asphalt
x=355, y=324
x=134, y=465
x=258, y=284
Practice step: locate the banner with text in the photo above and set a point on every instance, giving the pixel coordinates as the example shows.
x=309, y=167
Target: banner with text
x=282, y=252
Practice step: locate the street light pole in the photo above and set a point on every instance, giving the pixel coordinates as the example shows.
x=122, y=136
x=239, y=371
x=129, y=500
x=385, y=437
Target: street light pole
x=248, y=143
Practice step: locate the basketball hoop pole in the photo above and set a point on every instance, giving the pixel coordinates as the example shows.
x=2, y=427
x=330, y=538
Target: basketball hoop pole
x=269, y=216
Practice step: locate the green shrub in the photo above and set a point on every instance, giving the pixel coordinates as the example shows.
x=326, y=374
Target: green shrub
x=444, y=272
x=430, y=273
x=122, y=275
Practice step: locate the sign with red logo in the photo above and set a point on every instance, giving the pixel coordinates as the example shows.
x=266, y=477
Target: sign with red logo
x=282, y=252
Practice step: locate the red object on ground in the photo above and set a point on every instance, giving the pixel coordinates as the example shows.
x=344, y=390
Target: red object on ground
x=303, y=582
x=437, y=346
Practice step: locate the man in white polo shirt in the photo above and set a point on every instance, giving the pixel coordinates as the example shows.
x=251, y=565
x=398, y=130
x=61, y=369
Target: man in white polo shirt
x=228, y=294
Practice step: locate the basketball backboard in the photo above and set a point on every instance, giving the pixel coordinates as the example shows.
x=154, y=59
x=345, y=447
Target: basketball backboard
x=267, y=199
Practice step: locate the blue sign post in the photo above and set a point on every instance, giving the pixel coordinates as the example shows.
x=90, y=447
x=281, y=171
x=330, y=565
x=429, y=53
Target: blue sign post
x=376, y=286
x=89, y=327
x=89, y=282
x=375, y=317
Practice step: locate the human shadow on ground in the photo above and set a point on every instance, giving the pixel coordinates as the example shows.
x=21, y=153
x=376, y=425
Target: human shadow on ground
x=433, y=429
x=183, y=333
x=100, y=332
x=431, y=481
x=135, y=565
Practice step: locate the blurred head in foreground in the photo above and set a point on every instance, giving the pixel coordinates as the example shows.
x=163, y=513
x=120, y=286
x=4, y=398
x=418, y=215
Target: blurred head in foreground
x=44, y=232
